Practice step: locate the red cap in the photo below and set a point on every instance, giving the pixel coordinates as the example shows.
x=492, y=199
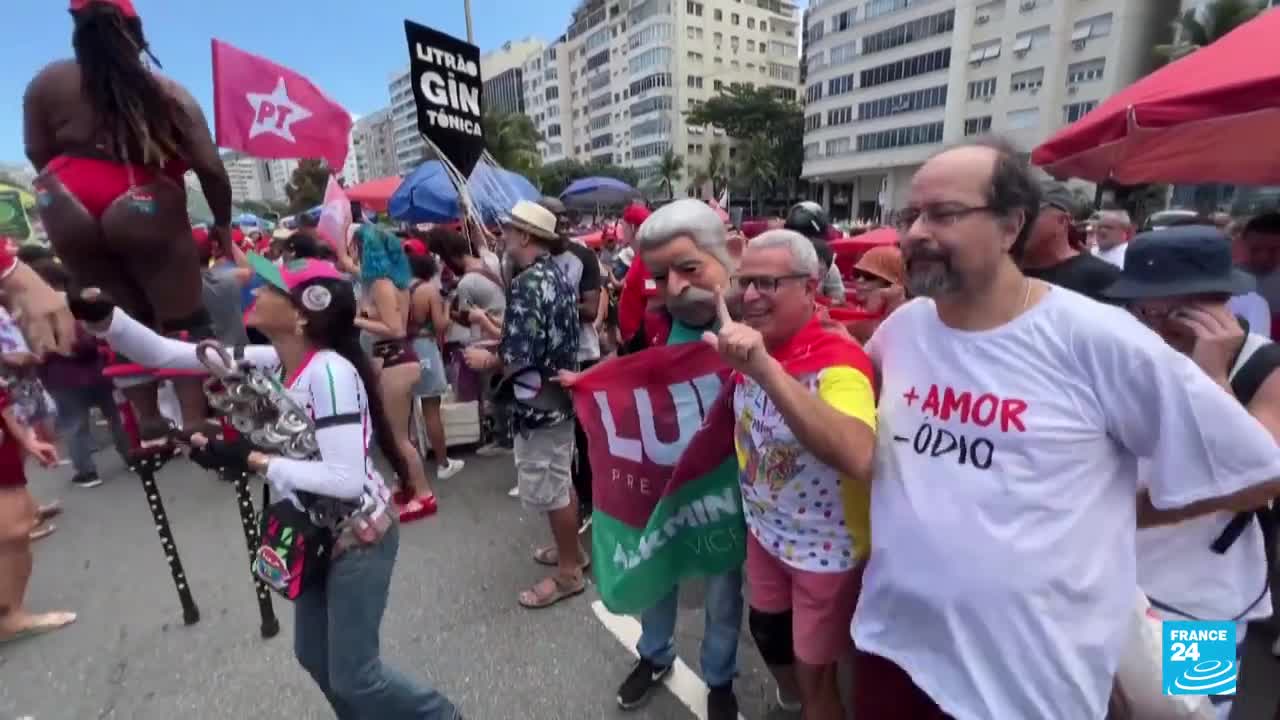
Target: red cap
x=124, y=6
x=635, y=214
x=414, y=246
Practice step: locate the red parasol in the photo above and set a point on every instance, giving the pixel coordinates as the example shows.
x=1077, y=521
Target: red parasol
x=1209, y=117
x=375, y=194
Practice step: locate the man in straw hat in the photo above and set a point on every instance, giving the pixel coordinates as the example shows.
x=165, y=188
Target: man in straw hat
x=539, y=339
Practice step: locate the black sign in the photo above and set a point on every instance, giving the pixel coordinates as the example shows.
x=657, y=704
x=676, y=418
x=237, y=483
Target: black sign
x=445, y=74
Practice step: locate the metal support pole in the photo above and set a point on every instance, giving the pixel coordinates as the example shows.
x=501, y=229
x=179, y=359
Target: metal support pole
x=466, y=5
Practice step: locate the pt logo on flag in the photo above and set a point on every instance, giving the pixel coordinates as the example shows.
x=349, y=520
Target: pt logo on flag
x=1198, y=657
x=275, y=113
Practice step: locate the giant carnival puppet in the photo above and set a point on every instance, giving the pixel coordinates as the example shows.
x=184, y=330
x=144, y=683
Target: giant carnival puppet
x=111, y=140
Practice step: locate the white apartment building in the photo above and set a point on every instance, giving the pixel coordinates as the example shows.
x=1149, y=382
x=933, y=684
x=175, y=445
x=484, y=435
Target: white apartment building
x=503, y=66
x=248, y=176
x=890, y=82
x=373, y=147
x=615, y=86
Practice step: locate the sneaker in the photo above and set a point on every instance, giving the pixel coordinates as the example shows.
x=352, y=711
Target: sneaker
x=787, y=704
x=449, y=469
x=644, y=677
x=492, y=450
x=514, y=492
x=86, y=480
x=722, y=704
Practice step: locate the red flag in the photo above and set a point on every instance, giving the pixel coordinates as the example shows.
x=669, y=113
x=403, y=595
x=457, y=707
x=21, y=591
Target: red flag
x=270, y=111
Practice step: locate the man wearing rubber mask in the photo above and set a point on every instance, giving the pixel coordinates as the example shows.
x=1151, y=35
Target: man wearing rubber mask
x=111, y=140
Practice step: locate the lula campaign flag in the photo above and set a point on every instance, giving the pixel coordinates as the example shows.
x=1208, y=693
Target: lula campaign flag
x=270, y=111
x=668, y=505
x=445, y=75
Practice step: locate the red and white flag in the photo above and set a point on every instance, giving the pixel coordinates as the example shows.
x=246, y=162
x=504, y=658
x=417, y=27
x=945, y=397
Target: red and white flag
x=335, y=217
x=270, y=111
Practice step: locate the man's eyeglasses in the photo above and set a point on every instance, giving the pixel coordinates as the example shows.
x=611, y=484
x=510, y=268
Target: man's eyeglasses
x=937, y=215
x=765, y=284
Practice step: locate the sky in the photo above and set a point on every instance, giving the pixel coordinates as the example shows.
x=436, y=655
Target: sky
x=346, y=47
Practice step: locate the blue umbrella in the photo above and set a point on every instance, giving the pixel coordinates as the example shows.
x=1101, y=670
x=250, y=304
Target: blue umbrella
x=247, y=219
x=598, y=191
x=427, y=194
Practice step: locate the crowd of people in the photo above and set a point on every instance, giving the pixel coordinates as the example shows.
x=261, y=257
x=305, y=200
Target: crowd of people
x=1097, y=411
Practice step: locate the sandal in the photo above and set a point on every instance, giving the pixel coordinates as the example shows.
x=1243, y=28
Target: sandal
x=51, y=510
x=42, y=531
x=39, y=625
x=551, y=590
x=550, y=557
x=418, y=508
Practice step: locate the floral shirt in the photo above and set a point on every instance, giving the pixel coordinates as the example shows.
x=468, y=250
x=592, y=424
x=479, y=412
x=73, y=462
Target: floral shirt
x=540, y=330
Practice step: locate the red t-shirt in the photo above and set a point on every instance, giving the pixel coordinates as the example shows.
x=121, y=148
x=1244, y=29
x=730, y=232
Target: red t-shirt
x=637, y=290
x=12, y=472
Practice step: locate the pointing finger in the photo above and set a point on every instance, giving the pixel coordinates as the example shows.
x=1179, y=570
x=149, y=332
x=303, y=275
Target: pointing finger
x=722, y=308
x=711, y=339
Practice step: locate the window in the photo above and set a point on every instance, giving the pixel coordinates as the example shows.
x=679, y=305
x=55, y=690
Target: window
x=901, y=137
x=660, y=125
x=598, y=82
x=693, y=8
x=903, y=103
x=653, y=57
x=812, y=122
x=816, y=61
x=734, y=19
x=843, y=21
x=813, y=93
x=977, y=126
x=1094, y=27
x=814, y=32
x=751, y=45
x=778, y=48
x=1031, y=39
x=913, y=31
x=600, y=141
x=838, y=146
x=600, y=123
x=718, y=15
x=810, y=151
x=1075, y=111
x=985, y=51
x=877, y=8
x=718, y=85
x=695, y=81
x=650, y=82
x=751, y=23
x=781, y=72
x=841, y=54
x=1026, y=80
x=552, y=92
x=659, y=102
x=695, y=57
x=840, y=116
x=1024, y=119
x=600, y=101
x=1086, y=71
x=982, y=88
x=909, y=67
x=652, y=149
x=842, y=84
x=656, y=32
x=648, y=8
x=598, y=60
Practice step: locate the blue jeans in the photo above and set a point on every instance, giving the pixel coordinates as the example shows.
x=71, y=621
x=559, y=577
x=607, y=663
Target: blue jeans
x=336, y=640
x=73, y=424
x=719, y=635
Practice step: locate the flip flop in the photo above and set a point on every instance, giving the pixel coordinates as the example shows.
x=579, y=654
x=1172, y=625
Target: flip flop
x=51, y=510
x=417, y=508
x=42, y=532
x=561, y=589
x=550, y=557
x=41, y=624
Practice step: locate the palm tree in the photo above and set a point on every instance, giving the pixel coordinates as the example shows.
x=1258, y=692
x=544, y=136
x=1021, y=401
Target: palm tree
x=670, y=168
x=757, y=166
x=716, y=170
x=1196, y=29
x=512, y=139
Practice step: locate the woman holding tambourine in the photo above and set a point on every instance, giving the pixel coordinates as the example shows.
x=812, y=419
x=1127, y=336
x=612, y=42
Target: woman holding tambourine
x=338, y=576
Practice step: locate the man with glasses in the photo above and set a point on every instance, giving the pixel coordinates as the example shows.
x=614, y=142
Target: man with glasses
x=1212, y=566
x=805, y=434
x=1112, y=232
x=1051, y=257
x=1012, y=418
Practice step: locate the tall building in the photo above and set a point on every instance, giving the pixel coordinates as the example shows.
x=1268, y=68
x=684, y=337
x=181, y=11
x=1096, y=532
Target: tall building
x=249, y=176
x=502, y=73
x=615, y=87
x=373, y=146
x=890, y=82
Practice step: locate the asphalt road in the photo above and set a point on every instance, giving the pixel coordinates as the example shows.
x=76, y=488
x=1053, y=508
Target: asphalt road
x=453, y=618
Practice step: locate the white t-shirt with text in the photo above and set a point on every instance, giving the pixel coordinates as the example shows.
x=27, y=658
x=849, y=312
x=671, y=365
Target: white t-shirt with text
x=1003, y=502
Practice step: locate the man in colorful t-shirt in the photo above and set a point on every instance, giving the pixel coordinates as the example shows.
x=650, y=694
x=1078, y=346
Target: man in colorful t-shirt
x=805, y=434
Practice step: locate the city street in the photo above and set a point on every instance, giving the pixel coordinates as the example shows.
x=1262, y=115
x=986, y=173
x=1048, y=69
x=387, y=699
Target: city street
x=453, y=618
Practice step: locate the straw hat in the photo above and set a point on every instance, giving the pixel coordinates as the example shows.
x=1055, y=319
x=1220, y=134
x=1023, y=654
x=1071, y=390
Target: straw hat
x=885, y=262
x=534, y=219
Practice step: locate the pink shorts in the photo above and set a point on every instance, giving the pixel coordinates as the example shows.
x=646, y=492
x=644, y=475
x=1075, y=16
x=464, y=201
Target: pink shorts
x=821, y=604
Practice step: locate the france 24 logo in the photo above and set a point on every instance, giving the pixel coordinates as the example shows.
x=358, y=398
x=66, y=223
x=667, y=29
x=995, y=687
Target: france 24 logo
x=1198, y=657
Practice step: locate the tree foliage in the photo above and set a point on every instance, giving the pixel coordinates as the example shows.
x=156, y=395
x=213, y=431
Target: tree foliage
x=1195, y=29
x=670, y=170
x=512, y=139
x=307, y=184
x=715, y=171
x=772, y=128
x=553, y=178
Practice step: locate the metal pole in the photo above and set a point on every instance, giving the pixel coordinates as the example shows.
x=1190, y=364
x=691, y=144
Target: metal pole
x=471, y=38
